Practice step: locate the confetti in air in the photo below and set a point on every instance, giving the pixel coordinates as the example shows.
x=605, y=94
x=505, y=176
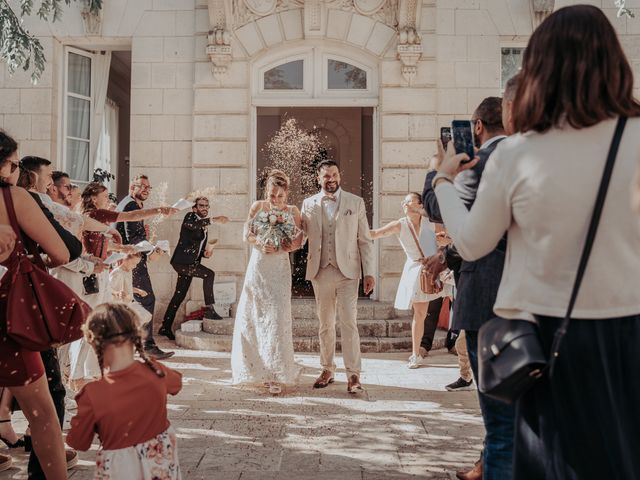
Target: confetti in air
x=295, y=151
x=157, y=198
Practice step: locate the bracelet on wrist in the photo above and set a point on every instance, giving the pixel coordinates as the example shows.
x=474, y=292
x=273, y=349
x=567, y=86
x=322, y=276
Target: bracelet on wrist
x=441, y=177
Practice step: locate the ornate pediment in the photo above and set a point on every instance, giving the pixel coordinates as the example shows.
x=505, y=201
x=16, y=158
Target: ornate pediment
x=401, y=16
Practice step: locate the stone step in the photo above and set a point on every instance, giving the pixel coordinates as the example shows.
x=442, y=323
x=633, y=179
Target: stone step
x=222, y=343
x=395, y=328
x=305, y=308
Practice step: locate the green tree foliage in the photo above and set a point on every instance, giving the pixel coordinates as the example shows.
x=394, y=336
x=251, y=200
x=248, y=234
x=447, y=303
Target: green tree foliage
x=20, y=49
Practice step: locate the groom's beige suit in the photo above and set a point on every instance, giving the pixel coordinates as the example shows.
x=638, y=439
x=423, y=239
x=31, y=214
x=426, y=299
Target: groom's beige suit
x=339, y=249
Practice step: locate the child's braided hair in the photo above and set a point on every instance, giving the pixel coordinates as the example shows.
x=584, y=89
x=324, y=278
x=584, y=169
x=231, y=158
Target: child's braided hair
x=114, y=324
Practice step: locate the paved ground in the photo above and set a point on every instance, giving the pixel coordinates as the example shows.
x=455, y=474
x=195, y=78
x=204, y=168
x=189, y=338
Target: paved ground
x=404, y=426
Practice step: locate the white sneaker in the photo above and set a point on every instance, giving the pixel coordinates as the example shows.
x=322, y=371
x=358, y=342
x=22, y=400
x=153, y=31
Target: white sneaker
x=415, y=361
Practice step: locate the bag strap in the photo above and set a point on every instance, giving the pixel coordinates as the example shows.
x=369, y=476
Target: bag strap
x=415, y=237
x=591, y=235
x=11, y=212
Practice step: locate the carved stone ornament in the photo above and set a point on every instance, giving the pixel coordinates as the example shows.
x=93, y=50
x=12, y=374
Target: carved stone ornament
x=91, y=21
x=368, y=7
x=541, y=9
x=219, y=52
x=409, y=54
x=261, y=7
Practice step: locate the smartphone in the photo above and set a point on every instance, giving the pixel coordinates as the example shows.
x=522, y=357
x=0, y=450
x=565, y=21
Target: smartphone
x=462, y=135
x=445, y=136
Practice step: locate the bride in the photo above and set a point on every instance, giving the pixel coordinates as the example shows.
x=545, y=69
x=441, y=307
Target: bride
x=262, y=350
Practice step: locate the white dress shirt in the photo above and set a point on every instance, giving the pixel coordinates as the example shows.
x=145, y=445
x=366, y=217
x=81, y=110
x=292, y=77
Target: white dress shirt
x=329, y=207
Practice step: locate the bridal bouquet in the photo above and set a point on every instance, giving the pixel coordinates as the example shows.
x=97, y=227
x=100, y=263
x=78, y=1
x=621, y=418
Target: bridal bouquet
x=273, y=227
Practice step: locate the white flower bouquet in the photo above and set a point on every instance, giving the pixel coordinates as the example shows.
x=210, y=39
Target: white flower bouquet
x=273, y=227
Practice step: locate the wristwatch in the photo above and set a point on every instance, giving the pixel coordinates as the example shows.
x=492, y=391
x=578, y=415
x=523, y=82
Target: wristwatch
x=443, y=256
x=440, y=176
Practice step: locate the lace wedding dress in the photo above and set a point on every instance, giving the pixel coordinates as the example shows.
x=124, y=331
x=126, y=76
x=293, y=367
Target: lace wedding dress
x=262, y=350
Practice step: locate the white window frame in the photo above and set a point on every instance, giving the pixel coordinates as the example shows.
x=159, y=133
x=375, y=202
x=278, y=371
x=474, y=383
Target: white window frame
x=307, y=77
x=315, y=81
x=517, y=45
x=346, y=92
x=65, y=107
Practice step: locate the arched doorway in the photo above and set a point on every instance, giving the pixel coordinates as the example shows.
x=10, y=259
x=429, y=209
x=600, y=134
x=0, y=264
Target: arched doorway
x=345, y=134
x=331, y=96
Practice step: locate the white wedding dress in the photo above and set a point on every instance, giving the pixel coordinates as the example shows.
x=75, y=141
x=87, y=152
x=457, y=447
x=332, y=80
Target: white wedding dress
x=262, y=350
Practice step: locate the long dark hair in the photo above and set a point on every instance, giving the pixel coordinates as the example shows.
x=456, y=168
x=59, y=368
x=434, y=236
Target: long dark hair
x=573, y=71
x=8, y=147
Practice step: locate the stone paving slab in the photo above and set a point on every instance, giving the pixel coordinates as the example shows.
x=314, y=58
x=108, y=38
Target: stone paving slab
x=404, y=426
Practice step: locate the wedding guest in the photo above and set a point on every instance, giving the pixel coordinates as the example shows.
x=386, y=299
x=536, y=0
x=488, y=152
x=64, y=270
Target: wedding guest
x=23, y=371
x=127, y=407
x=133, y=232
x=122, y=289
x=95, y=200
x=75, y=197
x=477, y=283
x=582, y=421
x=465, y=380
x=36, y=176
x=418, y=240
x=186, y=261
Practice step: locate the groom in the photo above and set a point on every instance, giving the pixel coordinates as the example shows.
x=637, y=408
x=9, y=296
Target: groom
x=335, y=223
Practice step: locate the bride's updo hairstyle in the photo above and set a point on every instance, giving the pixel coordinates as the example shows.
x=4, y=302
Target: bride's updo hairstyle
x=276, y=179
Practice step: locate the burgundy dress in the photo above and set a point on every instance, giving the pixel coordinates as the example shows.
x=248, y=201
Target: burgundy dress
x=18, y=366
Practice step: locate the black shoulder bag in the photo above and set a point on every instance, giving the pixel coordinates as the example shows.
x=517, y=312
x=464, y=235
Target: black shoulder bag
x=510, y=354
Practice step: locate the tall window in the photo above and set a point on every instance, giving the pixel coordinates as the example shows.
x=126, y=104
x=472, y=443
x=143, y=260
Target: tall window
x=511, y=61
x=78, y=98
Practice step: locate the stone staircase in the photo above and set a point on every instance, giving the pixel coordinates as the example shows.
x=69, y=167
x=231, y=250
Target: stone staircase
x=380, y=328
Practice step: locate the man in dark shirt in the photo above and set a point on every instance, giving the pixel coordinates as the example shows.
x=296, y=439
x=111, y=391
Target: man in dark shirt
x=133, y=233
x=191, y=249
x=477, y=287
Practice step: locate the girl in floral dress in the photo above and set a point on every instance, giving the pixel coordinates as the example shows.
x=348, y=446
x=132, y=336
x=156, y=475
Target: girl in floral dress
x=127, y=407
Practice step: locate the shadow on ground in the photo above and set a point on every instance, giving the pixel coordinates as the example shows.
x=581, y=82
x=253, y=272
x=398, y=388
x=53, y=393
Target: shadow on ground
x=403, y=426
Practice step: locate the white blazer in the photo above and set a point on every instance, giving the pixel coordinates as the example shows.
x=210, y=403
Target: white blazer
x=354, y=246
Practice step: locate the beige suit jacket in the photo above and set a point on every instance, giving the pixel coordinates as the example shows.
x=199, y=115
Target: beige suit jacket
x=354, y=246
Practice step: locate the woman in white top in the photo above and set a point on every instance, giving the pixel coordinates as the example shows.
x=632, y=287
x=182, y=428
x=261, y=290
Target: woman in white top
x=540, y=185
x=409, y=229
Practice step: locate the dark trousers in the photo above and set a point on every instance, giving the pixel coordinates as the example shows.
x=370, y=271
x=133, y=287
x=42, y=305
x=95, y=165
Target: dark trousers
x=142, y=281
x=56, y=388
x=185, y=276
x=583, y=423
x=431, y=323
x=499, y=421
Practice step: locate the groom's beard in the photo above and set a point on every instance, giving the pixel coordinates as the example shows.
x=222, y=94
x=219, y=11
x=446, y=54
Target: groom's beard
x=331, y=187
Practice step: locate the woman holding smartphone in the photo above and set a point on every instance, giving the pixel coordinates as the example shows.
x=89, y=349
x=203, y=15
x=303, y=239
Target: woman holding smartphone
x=418, y=239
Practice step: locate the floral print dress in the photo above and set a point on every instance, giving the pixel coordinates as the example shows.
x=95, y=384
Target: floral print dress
x=155, y=459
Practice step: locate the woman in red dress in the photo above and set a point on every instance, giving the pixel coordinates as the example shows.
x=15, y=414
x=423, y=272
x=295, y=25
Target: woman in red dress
x=22, y=371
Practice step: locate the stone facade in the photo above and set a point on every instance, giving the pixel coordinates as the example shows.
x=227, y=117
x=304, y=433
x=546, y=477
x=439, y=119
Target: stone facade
x=194, y=91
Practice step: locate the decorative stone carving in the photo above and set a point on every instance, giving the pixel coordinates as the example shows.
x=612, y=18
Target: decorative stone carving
x=368, y=7
x=219, y=52
x=409, y=40
x=91, y=21
x=261, y=7
x=541, y=9
x=313, y=15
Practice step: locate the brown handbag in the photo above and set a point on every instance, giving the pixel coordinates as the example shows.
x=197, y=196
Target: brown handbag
x=425, y=285
x=42, y=312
